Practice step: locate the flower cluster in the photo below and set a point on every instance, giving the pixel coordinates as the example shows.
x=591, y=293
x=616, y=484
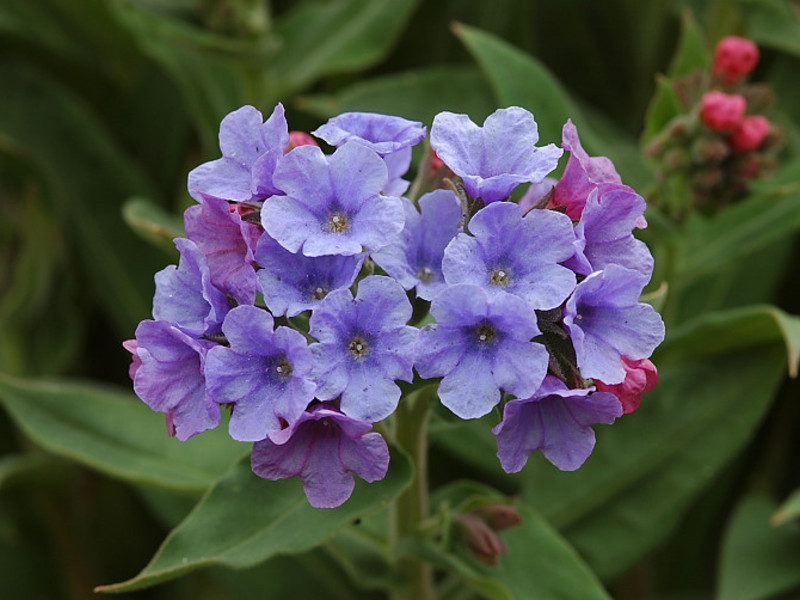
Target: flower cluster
x=308, y=287
x=723, y=142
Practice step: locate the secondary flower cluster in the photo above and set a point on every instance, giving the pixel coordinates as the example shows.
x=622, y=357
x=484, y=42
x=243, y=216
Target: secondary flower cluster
x=723, y=141
x=308, y=286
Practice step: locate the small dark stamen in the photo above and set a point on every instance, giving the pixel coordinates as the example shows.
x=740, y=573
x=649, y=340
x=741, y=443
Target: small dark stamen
x=337, y=223
x=319, y=292
x=485, y=333
x=284, y=368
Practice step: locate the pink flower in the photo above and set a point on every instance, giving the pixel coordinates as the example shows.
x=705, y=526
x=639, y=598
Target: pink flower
x=722, y=112
x=734, y=58
x=300, y=138
x=749, y=133
x=641, y=376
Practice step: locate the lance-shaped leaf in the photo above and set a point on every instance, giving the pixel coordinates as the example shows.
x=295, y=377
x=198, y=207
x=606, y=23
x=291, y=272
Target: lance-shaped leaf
x=647, y=468
x=519, y=79
x=244, y=520
x=334, y=37
x=153, y=223
x=789, y=510
x=115, y=433
x=759, y=560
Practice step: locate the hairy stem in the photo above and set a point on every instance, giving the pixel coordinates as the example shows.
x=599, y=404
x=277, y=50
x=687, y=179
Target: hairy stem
x=411, y=507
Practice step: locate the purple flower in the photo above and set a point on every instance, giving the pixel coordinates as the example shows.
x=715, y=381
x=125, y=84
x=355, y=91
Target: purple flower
x=416, y=258
x=514, y=254
x=494, y=159
x=382, y=133
x=264, y=374
x=185, y=295
x=227, y=242
x=582, y=174
x=292, y=283
x=323, y=447
x=332, y=204
x=170, y=379
x=556, y=420
x=605, y=232
x=391, y=137
x=364, y=346
x=250, y=150
x=606, y=322
x=480, y=345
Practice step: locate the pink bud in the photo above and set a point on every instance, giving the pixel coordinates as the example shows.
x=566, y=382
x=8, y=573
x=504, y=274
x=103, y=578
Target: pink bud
x=300, y=138
x=749, y=134
x=499, y=516
x=481, y=539
x=734, y=58
x=722, y=112
x=136, y=362
x=641, y=376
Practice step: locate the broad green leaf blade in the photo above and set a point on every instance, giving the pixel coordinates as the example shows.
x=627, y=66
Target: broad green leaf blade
x=90, y=177
x=539, y=564
x=519, y=79
x=209, y=68
x=735, y=329
x=323, y=38
x=789, y=510
x=115, y=433
x=648, y=467
x=738, y=231
x=773, y=23
x=759, y=561
x=364, y=558
x=416, y=95
x=153, y=223
x=244, y=520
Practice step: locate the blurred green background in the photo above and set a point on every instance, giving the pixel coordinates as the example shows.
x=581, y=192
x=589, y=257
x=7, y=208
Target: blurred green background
x=105, y=105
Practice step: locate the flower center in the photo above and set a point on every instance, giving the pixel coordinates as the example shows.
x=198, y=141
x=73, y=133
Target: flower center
x=499, y=277
x=319, y=292
x=337, y=223
x=358, y=347
x=485, y=333
x=283, y=368
x=425, y=274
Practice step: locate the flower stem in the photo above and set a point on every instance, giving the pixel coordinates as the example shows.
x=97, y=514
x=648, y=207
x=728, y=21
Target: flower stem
x=411, y=507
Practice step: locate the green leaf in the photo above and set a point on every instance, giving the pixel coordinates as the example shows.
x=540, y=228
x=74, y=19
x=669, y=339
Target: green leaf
x=244, y=520
x=742, y=229
x=153, y=223
x=210, y=69
x=647, y=468
x=115, y=433
x=539, y=564
x=735, y=329
x=692, y=53
x=663, y=107
x=89, y=177
x=323, y=38
x=364, y=558
x=519, y=79
x=773, y=23
x=789, y=510
x=758, y=560
x=416, y=95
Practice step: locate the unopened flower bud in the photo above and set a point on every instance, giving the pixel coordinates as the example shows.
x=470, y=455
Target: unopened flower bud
x=749, y=134
x=709, y=150
x=300, y=138
x=679, y=128
x=481, y=539
x=747, y=166
x=720, y=111
x=499, y=516
x=734, y=57
x=708, y=179
x=641, y=376
x=676, y=159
